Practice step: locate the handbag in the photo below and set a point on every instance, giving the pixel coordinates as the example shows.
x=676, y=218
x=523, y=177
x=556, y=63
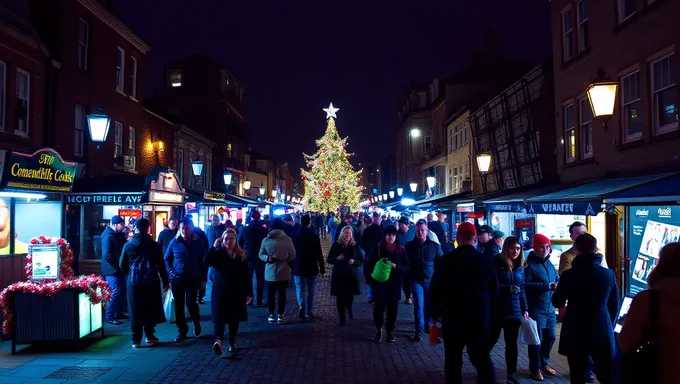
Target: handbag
x=382, y=269
x=642, y=366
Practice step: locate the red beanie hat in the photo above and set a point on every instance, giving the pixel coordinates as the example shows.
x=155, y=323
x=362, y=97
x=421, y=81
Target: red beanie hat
x=540, y=240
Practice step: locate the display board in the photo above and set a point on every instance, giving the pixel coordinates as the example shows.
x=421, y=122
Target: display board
x=45, y=260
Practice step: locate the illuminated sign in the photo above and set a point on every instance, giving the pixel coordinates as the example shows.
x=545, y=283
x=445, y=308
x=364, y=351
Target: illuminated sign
x=45, y=261
x=136, y=213
x=214, y=196
x=41, y=170
x=165, y=197
x=132, y=198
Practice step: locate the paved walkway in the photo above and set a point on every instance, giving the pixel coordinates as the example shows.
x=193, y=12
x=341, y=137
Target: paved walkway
x=316, y=352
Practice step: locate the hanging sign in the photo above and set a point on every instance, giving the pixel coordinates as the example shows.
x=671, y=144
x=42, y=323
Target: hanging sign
x=41, y=170
x=214, y=196
x=581, y=208
x=131, y=198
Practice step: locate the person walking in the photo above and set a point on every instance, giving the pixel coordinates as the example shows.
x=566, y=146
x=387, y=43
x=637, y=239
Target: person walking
x=307, y=265
x=277, y=251
x=230, y=289
x=346, y=256
x=512, y=303
x=142, y=262
x=213, y=232
x=370, y=237
x=168, y=233
x=540, y=282
x=423, y=255
x=387, y=293
x=464, y=296
x=113, y=239
x=588, y=327
x=404, y=235
x=184, y=262
x=250, y=240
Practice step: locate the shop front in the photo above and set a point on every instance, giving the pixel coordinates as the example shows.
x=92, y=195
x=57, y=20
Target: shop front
x=203, y=207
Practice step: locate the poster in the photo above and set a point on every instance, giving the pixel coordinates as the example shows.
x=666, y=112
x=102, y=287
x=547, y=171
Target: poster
x=649, y=229
x=525, y=230
x=45, y=260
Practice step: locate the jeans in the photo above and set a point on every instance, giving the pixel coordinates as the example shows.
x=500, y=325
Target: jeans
x=272, y=288
x=257, y=267
x=604, y=368
x=137, y=333
x=478, y=351
x=219, y=331
x=510, y=329
x=421, y=305
x=382, y=306
x=305, y=301
x=185, y=293
x=369, y=293
x=539, y=355
x=118, y=296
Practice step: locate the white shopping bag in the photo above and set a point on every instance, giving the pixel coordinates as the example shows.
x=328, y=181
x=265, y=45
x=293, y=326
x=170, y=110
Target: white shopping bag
x=169, y=306
x=528, y=332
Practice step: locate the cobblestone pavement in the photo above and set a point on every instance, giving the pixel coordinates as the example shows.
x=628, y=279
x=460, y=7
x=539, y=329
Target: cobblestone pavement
x=315, y=352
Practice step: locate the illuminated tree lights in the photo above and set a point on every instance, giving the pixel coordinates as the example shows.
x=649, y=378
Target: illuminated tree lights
x=331, y=182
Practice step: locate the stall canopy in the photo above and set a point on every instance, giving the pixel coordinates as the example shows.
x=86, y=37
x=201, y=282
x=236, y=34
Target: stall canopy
x=245, y=201
x=515, y=200
x=664, y=190
x=443, y=202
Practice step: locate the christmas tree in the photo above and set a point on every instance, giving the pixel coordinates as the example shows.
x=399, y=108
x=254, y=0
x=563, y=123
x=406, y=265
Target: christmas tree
x=331, y=182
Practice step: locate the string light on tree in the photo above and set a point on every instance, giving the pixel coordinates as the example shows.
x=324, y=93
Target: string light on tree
x=330, y=181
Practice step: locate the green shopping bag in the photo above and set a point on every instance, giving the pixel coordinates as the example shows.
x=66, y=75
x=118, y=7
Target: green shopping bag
x=382, y=270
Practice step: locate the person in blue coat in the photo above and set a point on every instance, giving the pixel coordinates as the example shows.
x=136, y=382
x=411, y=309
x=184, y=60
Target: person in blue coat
x=540, y=281
x=588, y=327
x=512, y=302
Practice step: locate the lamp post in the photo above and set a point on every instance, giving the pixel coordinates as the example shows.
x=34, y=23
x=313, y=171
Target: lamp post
x=414, y=187
x=227, y=181
x=602, y=97
x=98, y=124
x=247, y=184
x=483, y=164
x=400, y=191
x=391, y=194
x=197, y=168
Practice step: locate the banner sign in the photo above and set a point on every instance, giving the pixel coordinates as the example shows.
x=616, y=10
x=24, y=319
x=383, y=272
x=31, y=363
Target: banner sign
x=214, y=196
x=581, y=208
x=42, y=170
x=136, y=213
x=132, y=198
x=505, y=207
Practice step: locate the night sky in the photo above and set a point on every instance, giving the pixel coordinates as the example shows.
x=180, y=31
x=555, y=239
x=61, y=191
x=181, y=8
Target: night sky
x=293, y=58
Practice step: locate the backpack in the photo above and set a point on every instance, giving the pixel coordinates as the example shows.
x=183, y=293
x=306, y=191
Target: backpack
x=141, y=272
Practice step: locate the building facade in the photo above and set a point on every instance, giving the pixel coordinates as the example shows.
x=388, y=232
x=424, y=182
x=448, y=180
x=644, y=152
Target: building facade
x=458, y=154
x=414, y=135
x=190, y=147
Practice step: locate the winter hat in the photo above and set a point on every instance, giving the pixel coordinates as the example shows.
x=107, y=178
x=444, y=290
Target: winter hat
x=498, y=234
x=390, y=230
x=540, y=240
x=485, y=229
x=117, y=220
x=467, y=229
x=403, y=220
x=255, y=215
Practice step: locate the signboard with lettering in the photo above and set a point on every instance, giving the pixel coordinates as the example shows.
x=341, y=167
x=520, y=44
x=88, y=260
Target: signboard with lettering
x=136, y=213
x=42, y=170
x=132, y=198
x=650, y=228
x=525, y=230
x=591, y=208
x=214, y=196
x=505, y=207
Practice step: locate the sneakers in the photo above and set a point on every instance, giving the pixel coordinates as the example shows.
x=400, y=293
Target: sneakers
x=416, y=338
x=536, y=376
x=217, y=347
x=409, y=301
x=301, y=313
x=378, y=336
x=549, y=371
x=152, y=340
x=271, y=319
x=114, y=322
x=197, y=329
x=135, y=345
x=232, y=351
x=180, y=338
x=281, y=320
x=390, y=338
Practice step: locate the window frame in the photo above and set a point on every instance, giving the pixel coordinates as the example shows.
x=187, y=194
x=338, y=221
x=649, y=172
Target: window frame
x=567, y=45
x=634, y=71
x=180, y=164
x=427, y=141
x=79, y=132
x=117, y=139
x=28, y=101
x=672, y=127
x=582, y=126
x=567, y=153
x=132, y=141
x=120, y=70
x=84, y=45
x=581, y=25
x=620, y=10
x=133, y=78
x=3, y=94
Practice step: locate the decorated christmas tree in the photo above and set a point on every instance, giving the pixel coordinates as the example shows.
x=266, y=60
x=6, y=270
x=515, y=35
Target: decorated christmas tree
x=331, y=182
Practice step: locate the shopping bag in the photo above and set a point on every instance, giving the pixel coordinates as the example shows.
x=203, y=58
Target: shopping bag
x=528, y=332
x=169, y=306
x=382, y=270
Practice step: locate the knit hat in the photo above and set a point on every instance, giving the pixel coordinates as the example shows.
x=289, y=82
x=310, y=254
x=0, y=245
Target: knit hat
x=390, y=229
x=467, y=229
x=498, y=234
x=403, y=220
x=540, y=240
x=117, y=220
x=485, y=229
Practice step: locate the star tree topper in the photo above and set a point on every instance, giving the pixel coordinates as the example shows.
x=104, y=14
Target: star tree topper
x=330, y=111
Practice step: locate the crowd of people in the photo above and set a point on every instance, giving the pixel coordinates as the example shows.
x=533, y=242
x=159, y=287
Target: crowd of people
x=475, y=285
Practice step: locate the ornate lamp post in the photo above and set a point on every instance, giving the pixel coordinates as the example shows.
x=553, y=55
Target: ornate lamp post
x=98, y=124
x=602, y=97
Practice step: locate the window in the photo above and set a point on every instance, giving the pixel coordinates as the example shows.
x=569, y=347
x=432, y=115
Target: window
x=626, y=9
x=664, y=95
x=465, y=134
x=118, y=140
x=567, y=34
x=451, y=140
x=192, y=157
x=454, y=186
x=3, y=91
x=582, y=14
x=23, y=101
x=83, y=43
x=180, y=163
x=569, y=132
x=450, y=172
x=632, y=107
x=175, y=79
x=428, y=143
x=133, y=78
x=120, y=70
x=229, y=151
x=79, y=131
x=467, y=169
x=586, y=133
x=132, y=141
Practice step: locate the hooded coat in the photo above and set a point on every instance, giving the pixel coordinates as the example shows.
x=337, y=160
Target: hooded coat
x=280, y=247
x=538, y=275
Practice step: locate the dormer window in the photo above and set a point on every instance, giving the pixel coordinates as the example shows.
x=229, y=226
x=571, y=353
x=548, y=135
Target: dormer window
x=174, y=79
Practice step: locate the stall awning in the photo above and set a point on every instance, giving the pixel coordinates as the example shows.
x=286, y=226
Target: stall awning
x=515, y=201
x=665, y=190
x=443, y=202
x=245, y=201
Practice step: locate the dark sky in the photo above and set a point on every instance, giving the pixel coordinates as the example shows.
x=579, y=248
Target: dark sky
x=294, y=57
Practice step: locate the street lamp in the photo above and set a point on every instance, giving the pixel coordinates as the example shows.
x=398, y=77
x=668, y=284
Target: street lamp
x=98, y=123
x=414, y=187
x=227, y=181
x=197, y=168
x=261, y=189
x=400, y=191
x=415, y=132
x=247, y=184
x=282, y=197
x=384, y=196
x=484, y=162
x=391, y=194
x=431, y=181
x=274, y=192
x=602, y=97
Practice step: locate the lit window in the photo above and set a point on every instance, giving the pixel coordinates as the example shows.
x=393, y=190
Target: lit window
x=632, y=107
x=569, y=132
x=586, y=134
x=175, y=79
x=132, y=141
x=664, y=95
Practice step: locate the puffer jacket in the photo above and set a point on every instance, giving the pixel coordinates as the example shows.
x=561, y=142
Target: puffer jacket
x=280, y=247
x=538, y=275
x=423, y=259
x=511, y=305
x=184, y=259
x=112, y=248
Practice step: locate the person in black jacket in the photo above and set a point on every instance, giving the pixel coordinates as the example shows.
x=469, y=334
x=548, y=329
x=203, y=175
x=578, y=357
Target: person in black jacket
x=142, y=262
x=345, y=256
x=250, y=239
x=423, y=255
x=113, y=239
x=387, y=293
x=370, y=237
x=168, y=233
x=463, y=296
x=436, y=227
x=306, y=266
x=348, y=220
x=512, y=302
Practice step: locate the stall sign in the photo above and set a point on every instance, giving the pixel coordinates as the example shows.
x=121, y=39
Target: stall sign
x=45, y=261
x=462, y=208
x=105, y=198
x=507, y=207
x=525, y=230
x=214, y=196
x=165, y=197
x=42, y=170
x=136, y=213
x=591, y=208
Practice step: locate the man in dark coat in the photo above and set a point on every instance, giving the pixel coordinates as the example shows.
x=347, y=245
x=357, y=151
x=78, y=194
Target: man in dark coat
x=213, y=232
x=371, y=236
x=113, y=239
x=306, y=266
x=464, y=294
x=494, y=246
x=184, y=262
x=436, y=227
x=167, y=234
x=423, y=255
x=404, y=235
x=588, y=327
x=250, y=239
x=142, y=262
